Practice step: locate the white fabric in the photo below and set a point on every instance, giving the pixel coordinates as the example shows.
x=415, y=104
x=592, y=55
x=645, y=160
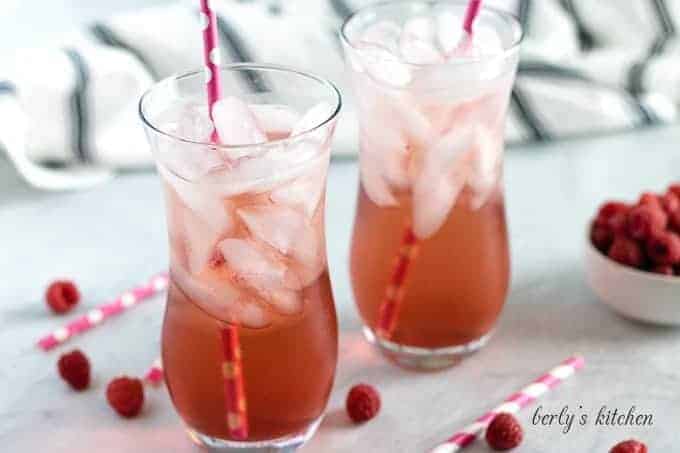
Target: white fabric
x=571, y=90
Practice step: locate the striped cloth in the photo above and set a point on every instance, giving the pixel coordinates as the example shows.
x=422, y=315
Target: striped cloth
x=587, y=67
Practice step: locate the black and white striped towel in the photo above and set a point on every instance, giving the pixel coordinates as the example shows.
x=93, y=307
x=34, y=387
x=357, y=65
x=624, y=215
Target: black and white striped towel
x=587, y=67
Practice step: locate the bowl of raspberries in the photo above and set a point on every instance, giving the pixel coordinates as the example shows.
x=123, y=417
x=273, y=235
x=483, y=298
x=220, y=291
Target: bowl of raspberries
x=633, y=256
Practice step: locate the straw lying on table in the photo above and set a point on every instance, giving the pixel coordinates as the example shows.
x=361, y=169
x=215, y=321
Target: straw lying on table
x=513, y=404
x=100, y=314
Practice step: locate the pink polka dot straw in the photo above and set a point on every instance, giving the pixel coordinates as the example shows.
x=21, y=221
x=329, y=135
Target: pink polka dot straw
x=235, y=398
x=513, y=404
x=98, y=315
x=211, y=57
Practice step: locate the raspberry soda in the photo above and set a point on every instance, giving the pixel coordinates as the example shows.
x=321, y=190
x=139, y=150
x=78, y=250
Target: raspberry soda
x=247, y=253
x=430, y=256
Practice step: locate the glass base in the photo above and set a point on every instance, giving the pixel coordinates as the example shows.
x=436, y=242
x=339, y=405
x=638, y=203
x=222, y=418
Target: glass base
x=425, y=358
x=287, y=444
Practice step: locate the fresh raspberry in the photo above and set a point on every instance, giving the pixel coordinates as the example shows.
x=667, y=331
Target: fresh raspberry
x=629, y=446
x=74, y=368
x=670, y=202
x=613, y=216
x=644, y=220
x=601, y=237
x=674, y=221
x=675, y=188
x=126, y=396
x=62, y=296
x=649, y=198
x=504, y=432
x=664, y=248
x=627, y=252
x=363, y=403
x=663, y=269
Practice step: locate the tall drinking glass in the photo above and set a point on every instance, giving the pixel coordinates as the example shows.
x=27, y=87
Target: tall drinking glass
x=250, y=334
x=429, y=253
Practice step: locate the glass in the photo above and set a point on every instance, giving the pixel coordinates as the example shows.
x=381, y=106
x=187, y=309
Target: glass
x=250, y=294
x=429, y=255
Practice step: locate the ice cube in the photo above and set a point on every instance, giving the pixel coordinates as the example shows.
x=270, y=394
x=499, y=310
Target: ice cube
x=201, y=239
x=373, y=182
x=285, y=301
x=414, y=123
x=283, y=228
x=201, y=218
x=303, y=192
x=389, y=148
x=251, y=264
x=417, y=51
x=313, y=118
x=236, y=124
x=214, y=292
x=384, y=65
x=383, y=110
x=275, y=119
x=485, y=166
x=420, y=27
x=444, y=173
x=260, y=271
x=449, y=31
x=250, y=314
x=384, y=34
x=417, y=43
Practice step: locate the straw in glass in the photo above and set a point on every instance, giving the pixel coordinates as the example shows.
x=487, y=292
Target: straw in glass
x=388, y=313
x=235, y=398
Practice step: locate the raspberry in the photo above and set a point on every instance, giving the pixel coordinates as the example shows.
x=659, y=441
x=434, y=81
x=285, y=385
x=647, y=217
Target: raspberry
x=126, y=396
x=670, y=202
x=601, y=237
x=663, y=269
x=675, y=188
x=674, y=221
x=626, y=251
x=664, y=248
x=629, y=446
x=62, y=296
x=363, y=403
x=649, y=198
x=504, y=432
x=642, y=221
x=613, y=216
x=74, y=368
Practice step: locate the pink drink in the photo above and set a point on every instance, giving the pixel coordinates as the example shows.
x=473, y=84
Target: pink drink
x=430, y=255
x=247, y=257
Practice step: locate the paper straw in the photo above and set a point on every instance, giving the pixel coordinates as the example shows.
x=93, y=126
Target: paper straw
x=394, y=294
x=388, y=313
x=232, y=373
x=513, y=404
x=211, y=55
x=233, y=381
x=98, y=315
x=471, y=14
x=154, y=375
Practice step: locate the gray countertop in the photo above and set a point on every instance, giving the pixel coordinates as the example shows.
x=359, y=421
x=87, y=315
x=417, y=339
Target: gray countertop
x=112, y=237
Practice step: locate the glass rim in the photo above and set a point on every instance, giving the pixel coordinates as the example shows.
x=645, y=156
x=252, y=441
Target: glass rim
x=234, y=67
x=514, y=46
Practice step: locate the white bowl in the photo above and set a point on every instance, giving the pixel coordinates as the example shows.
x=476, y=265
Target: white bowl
x=635, y=294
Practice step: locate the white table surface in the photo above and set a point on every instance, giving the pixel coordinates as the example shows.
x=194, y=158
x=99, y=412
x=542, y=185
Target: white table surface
x=114, y=236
